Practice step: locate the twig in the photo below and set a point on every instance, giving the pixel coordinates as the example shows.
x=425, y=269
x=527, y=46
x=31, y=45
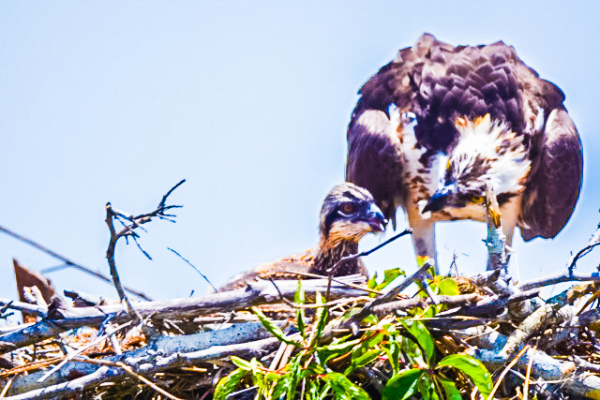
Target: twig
x=110, y=256
x=528, y=377
x=68, y=262
x=255, y=294
x=148, y=365
x=130, y=371
x=505, y=371
x=340, y=281
x=197, y=270
x=593, y=242
x=81, y=350
x=328, y=304
x=6, y=387
x=332, y=270
x=559, y=277
x=391, y=293
x=366, y=253
x=129, y=230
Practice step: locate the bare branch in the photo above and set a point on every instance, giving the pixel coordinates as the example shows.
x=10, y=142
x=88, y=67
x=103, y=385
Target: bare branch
x=68, y=262
x=197, y=270
x=255, y=294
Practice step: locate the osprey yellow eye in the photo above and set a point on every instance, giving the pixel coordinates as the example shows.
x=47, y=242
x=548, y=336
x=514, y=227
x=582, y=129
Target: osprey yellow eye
x=477, y=199
x=348, y=208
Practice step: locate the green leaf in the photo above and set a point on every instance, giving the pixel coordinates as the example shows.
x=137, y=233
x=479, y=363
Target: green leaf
x=287, y=384
x=343, y=388
x=321, y=315
x=403, y=385
x=389, y=276
x=229, y=384
x=393, y=353
x=241, y=363
x=372, y=282
x=448, y=287
x=420, y=332
x=471, y=367
x=299, y=299
x=452, y=393
x=324, y=392
x=370, y=319
x=427, y=388
x=338, y=347
x=364, y=359
x=272, y=328
x=312, y=388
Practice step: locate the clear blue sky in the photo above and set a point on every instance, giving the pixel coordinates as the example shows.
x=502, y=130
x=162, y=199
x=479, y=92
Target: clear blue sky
x=249, y=101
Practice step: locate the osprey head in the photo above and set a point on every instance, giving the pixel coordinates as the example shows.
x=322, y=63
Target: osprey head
x=487, y=153
x=348, y=213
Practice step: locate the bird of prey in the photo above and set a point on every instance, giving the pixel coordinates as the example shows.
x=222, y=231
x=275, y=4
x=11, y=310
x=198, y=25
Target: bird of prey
x=348, y=213
x=439, y=124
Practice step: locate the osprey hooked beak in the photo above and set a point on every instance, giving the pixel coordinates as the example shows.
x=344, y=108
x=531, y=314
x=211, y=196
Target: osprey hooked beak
x=440, y=199
x=375, y=218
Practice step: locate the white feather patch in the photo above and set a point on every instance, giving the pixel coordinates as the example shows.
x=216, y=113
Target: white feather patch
x=488, y=139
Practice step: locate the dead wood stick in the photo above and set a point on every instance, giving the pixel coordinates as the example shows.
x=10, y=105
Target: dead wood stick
x=68, y=262
x=563, y=276
x=82, y=349
x=144, y=366
x=593, y=242
x=547, y=368
x=255, y=294
x=389, y=294
x=27, y=307
x=384, y=309
x=548, y=314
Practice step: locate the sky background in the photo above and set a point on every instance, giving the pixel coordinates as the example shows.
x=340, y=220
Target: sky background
x=248, y=101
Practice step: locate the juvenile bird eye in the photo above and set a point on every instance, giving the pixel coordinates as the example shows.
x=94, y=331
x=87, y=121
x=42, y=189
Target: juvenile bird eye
x=348, y=208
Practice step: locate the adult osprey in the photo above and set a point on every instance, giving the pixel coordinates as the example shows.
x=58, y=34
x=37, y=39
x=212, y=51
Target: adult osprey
x=348, y=213
x=438, y=124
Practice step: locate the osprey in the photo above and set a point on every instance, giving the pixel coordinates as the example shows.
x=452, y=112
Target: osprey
x=439, y=124
x=348, y=213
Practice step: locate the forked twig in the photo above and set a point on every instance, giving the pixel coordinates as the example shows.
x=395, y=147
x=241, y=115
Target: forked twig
x=128, y=229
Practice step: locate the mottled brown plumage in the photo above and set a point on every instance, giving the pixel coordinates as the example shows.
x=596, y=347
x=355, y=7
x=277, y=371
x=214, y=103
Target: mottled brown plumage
x=438, y=124
x=348, y=213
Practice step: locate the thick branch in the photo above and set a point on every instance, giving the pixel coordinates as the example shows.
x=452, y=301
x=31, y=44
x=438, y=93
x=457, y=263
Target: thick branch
x=255, y=294
x=149, y=365
x=164, y=346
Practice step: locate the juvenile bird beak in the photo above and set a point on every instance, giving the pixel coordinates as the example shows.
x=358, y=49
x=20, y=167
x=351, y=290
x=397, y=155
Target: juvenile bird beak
x=438, y=201
x=375, y=218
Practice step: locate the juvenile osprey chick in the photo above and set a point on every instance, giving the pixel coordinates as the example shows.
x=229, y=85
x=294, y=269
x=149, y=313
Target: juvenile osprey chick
x=436, y=126
x=348, y=213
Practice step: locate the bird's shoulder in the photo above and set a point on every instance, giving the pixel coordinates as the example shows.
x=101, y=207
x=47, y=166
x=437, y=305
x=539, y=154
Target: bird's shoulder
x=440, y=82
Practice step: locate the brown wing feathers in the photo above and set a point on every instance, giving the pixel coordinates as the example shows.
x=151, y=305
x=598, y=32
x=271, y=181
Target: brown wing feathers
x=555, y=179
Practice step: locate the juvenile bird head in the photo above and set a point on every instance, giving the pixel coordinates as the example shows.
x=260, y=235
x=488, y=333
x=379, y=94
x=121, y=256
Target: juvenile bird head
x=488, y=153
x=348, y=213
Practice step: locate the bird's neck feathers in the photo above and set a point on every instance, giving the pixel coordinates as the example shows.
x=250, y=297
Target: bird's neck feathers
x=330, y=252
x=490, y=152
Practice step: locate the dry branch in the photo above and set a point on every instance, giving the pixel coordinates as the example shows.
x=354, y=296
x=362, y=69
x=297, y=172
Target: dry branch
x=165, y=347
x=256, y=293
x=68, y=263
